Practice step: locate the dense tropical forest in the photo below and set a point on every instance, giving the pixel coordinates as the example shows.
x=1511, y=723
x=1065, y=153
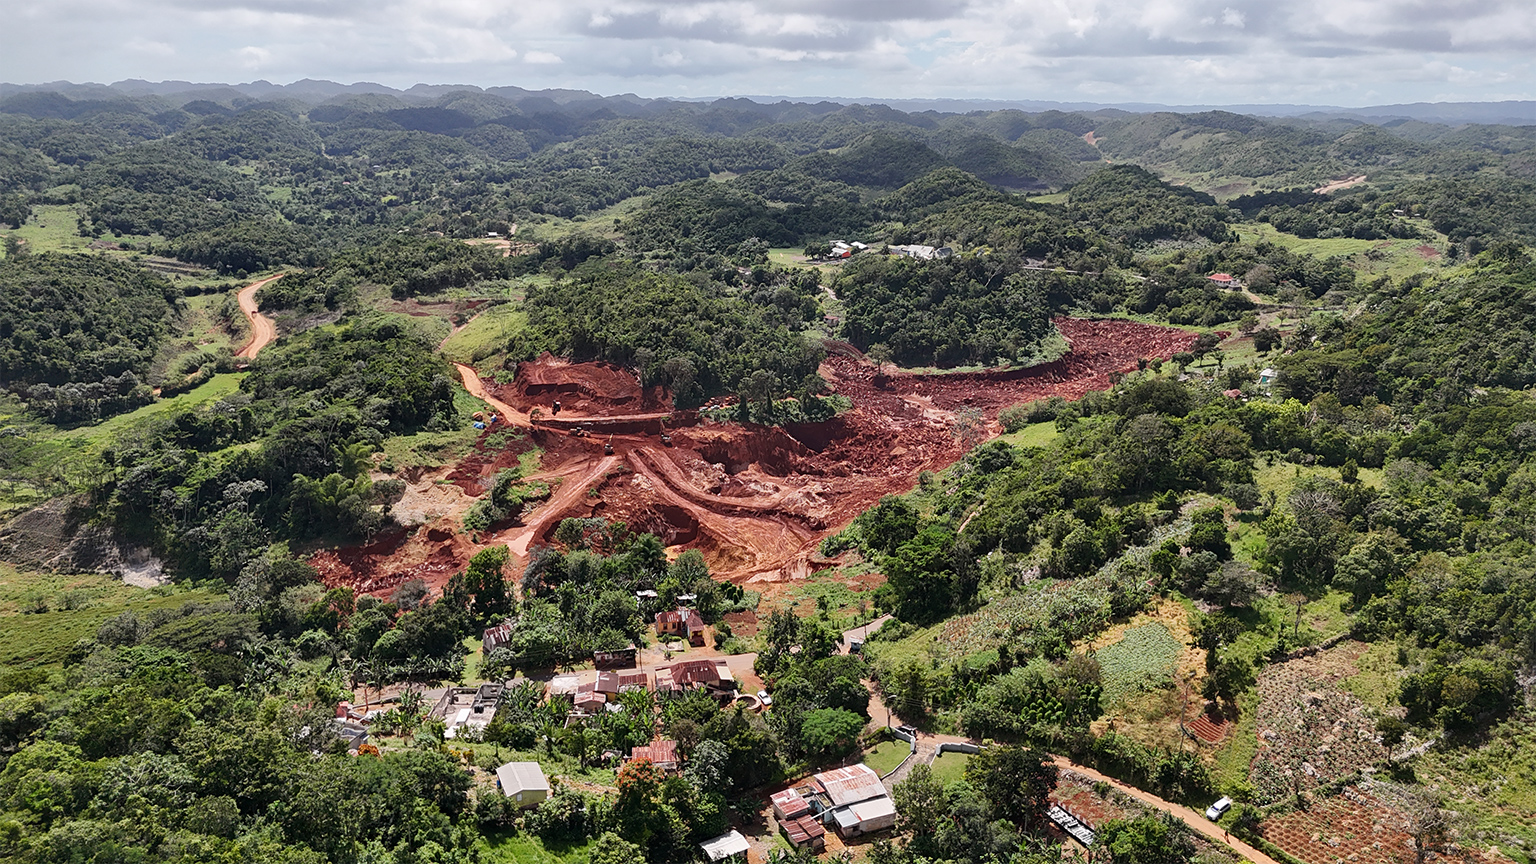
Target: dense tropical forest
x=1291, y=563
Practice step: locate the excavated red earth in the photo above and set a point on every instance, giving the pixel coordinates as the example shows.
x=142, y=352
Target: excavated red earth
x=755, y=500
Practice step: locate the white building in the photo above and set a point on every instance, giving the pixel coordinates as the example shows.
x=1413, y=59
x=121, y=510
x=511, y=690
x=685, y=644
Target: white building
x=922, y=253
x=725, y=846
x=523, y=782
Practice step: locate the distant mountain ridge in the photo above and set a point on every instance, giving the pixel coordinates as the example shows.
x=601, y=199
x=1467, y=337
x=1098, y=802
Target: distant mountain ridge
x=1518, y=113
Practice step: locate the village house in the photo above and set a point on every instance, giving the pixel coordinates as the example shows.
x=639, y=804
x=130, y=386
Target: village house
x=608, y=685
x=789, y=805
x=523, y=782
x=467, y=707
x=852, y=799
x=684, y=623
x=563, y=685
x=712, y=675
x=662, y=754
x=634, y=679
x=1224, y=280
x=921, y=252
x=730, y=846
x=495, y=637
x=615, y=658
x=587, y=698
x=805, y=831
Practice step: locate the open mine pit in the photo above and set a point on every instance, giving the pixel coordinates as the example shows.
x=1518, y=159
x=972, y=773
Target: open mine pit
x=757, y=501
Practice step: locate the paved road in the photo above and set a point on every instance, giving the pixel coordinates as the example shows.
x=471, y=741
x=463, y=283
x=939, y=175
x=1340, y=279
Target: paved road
x=262, y=328
x=861, y=633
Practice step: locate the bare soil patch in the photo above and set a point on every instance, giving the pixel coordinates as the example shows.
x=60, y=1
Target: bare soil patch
x=756, y=500
x=1336, y=185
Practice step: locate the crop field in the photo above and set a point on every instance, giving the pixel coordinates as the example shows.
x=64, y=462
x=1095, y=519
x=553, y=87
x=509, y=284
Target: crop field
x=1493, y=786
x=1359, y=826
x=1312, y=730
x=1143, y=660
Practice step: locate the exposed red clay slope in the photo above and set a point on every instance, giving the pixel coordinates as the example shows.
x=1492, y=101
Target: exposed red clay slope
x=755, y=500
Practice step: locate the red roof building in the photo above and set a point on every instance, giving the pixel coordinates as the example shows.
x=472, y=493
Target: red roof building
x=805, y=831
x=789, y=805
x=683, y=622
x=662, y=754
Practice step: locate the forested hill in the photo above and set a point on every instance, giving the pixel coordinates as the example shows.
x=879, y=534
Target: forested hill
x=1276, y=546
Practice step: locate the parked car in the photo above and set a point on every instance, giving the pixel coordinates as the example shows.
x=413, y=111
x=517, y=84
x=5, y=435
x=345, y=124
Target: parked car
x=1217, y=810
x=763, y=697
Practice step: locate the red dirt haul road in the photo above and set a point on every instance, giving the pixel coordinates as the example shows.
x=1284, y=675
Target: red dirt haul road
x=262, y=328
x=757, y=501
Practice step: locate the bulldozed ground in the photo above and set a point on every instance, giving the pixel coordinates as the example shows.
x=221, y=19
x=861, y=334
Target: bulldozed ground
x=756, y=500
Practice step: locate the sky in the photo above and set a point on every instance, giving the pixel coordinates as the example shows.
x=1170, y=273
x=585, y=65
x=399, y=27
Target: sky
x=1317, y=52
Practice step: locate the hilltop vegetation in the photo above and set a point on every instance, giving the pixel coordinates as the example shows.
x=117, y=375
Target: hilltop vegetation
x=1142, y=557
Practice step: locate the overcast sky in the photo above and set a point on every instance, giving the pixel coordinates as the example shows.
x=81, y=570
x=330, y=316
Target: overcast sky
x=1336, y=52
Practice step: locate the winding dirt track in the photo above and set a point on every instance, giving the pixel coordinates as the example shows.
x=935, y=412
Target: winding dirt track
x=262, y=328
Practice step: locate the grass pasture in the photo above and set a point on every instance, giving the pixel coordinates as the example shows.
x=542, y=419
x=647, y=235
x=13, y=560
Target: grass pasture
x=200, y=330
x=76, y=606
x=485, y=334
x=1033, y=435
x=886, y=756
x=949, y=768
x=1396, y=258
x=510, y=848
x=214, y=389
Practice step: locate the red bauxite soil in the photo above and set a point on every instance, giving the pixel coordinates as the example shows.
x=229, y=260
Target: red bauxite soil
x=755, y=500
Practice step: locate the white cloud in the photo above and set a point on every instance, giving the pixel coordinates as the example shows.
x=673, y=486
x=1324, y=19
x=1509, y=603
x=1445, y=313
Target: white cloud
x=1176, y=51
x=254, y=57
x=148, y=46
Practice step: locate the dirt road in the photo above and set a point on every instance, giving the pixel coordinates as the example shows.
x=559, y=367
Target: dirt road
x=1340, y=184
x=262, y=328
x=573, y=487
x=1196, y=821
x=476, y=388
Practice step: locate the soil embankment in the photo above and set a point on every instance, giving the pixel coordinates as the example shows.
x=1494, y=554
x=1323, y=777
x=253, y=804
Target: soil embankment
x=262, y=328
x=1336, y=185
x=757, y=501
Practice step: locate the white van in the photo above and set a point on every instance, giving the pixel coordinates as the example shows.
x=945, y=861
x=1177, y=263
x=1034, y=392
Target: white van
x=1217, y=810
